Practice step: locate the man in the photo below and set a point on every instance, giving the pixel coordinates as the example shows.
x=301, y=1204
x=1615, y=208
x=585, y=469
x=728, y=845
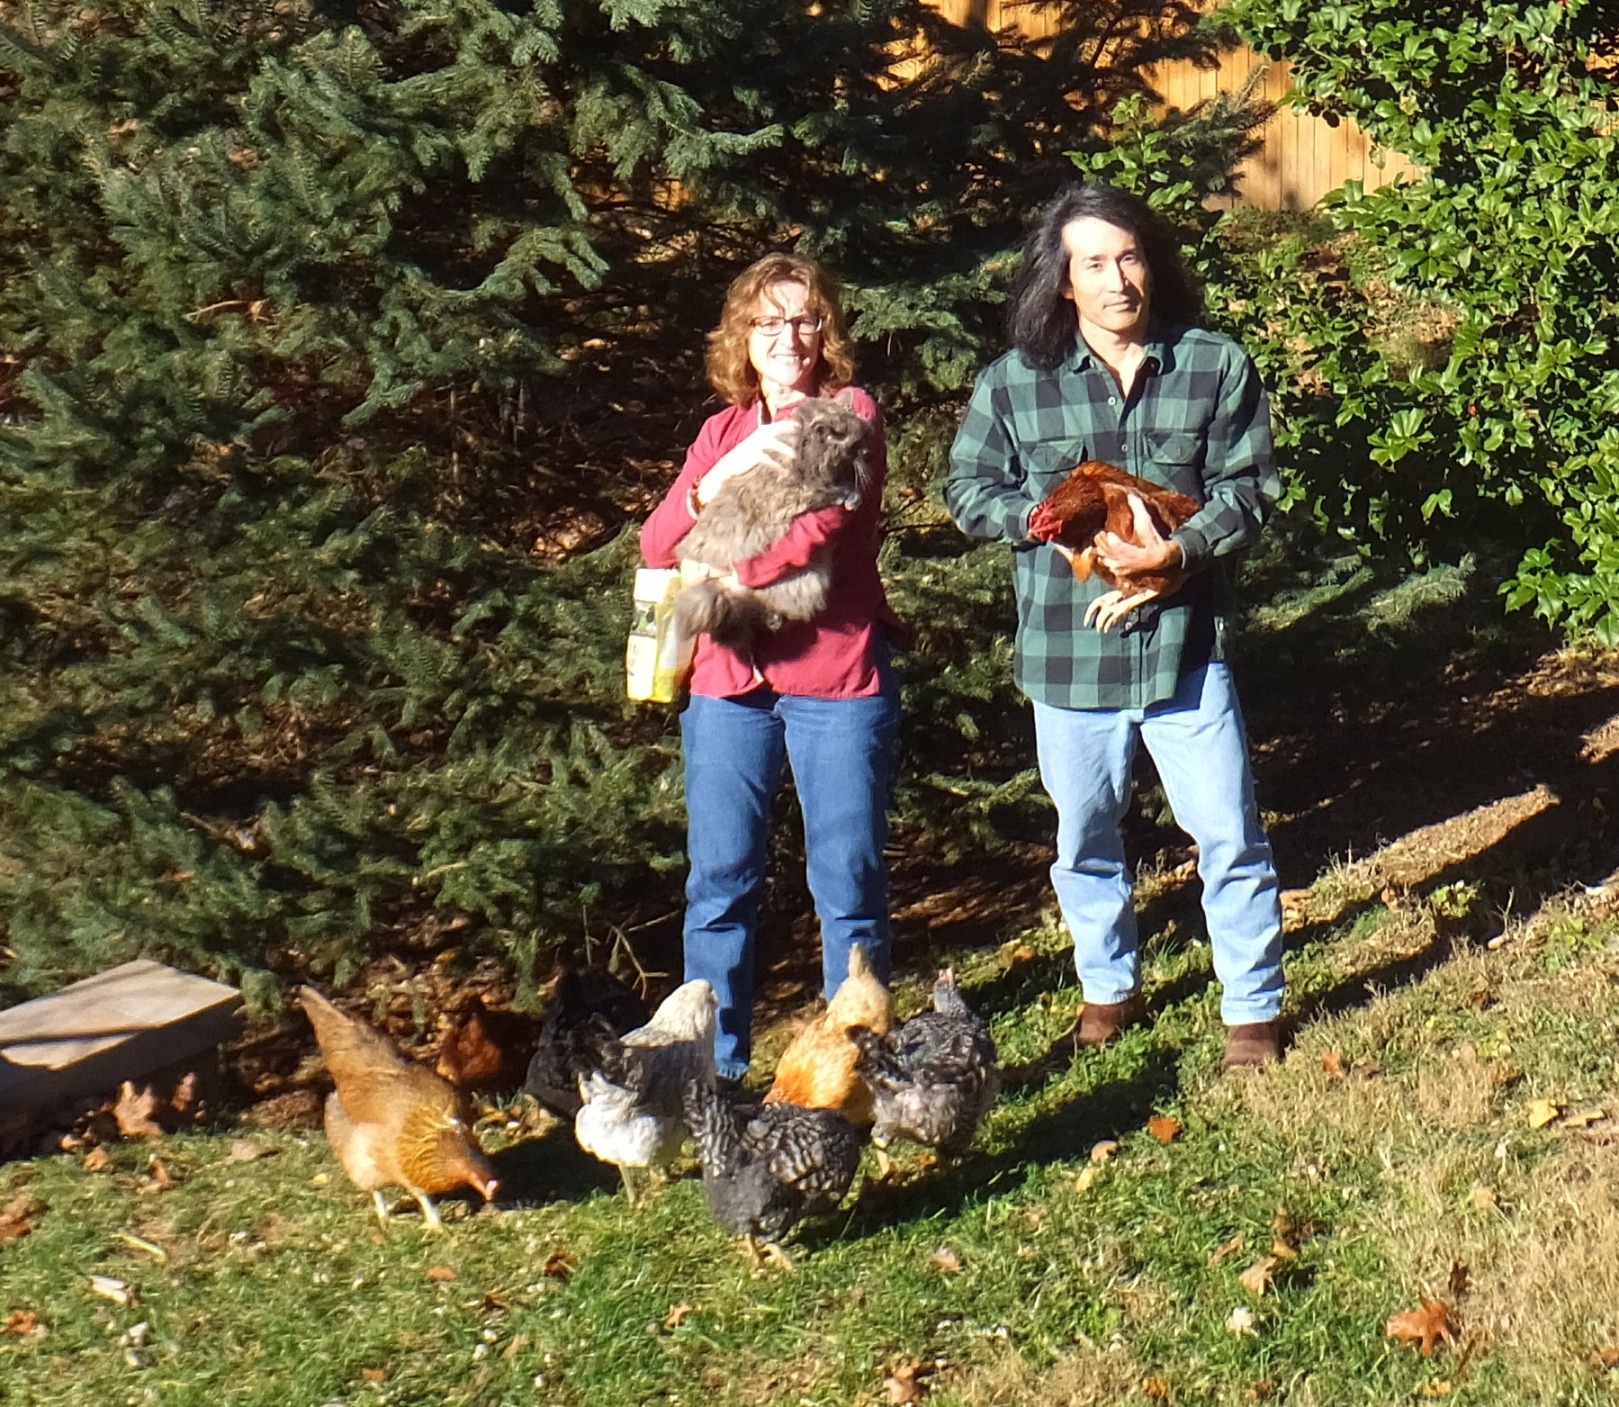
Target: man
x=1107, y=363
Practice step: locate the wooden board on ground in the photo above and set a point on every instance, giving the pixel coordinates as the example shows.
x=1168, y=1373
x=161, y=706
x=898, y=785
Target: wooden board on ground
x=116, y=1026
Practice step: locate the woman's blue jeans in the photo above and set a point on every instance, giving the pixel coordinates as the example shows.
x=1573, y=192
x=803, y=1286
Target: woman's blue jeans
x=841, y=752
x=1197, y=740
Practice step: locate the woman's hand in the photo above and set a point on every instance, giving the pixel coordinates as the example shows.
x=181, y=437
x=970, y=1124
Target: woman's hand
x=769, y=444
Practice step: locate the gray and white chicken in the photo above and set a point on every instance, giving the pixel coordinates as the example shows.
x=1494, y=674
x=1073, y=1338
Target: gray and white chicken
x=630, y=1091
x=768, y=1166
x=933, y=1077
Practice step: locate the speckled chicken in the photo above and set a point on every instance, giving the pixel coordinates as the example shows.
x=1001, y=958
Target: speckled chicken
x=935, y=1076
x=1094, y=498
x=631, y=1091
x=817, y=1070
x=585, y=1004
x=768, y=1166
x=390, y=1121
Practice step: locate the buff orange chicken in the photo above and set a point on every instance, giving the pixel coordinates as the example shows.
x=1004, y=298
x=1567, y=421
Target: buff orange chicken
x=390, y=1121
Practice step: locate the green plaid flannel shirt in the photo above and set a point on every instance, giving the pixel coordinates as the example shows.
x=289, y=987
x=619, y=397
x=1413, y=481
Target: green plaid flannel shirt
x=1196, y=420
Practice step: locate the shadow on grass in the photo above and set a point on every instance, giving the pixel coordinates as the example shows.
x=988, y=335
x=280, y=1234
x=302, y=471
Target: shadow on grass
x=1360, y=988
x=550, y=1168
x=1064, y=1133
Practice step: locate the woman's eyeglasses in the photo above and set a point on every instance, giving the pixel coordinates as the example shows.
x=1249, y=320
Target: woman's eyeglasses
x=774, y=327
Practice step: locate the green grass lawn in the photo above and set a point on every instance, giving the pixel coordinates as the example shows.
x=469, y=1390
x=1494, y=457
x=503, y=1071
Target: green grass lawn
x=1451, y=1099
x=1028, y=1273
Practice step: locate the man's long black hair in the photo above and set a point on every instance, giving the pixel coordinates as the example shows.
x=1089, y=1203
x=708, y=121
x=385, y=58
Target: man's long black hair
x=1040, y=322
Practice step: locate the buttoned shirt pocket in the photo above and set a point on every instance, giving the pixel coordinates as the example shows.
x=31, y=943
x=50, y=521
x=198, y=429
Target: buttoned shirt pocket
x=1048, y=462
x=1176, y=457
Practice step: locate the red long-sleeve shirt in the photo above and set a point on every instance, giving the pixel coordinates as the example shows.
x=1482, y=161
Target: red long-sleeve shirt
x=834, y=656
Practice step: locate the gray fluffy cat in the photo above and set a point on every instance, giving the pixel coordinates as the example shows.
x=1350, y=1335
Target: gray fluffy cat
x=753, y=510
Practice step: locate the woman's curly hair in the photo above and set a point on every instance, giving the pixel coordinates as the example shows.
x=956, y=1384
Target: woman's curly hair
x=729, y=369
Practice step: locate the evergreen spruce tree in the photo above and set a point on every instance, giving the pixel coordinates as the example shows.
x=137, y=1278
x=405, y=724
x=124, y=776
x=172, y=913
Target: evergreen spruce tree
x=332, y=337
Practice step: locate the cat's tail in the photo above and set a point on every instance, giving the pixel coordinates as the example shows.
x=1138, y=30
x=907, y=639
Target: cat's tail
x=706, y=608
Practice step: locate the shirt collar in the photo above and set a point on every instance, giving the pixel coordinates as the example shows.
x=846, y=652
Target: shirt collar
x=1156, y=344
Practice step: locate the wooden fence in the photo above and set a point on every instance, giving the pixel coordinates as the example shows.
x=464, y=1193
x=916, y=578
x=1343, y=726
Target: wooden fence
x=1302, y=157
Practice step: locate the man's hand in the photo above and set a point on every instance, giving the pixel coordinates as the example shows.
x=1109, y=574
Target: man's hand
x=1151, y=553
x=773, y=443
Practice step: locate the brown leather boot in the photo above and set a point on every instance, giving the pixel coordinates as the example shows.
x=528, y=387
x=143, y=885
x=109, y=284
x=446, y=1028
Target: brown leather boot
x=1252, y=1043
x=1101, y=1022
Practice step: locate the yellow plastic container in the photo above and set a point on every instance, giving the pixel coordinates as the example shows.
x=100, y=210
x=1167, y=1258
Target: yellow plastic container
x=656, y=660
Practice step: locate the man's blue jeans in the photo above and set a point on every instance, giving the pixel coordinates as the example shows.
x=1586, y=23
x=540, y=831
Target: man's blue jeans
x=841, y=752
x=1199, y=745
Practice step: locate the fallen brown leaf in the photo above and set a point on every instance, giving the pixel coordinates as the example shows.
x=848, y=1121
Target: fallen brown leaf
x=1334, y=1065
x=161, y=1178
x=1484, y=1198
x=1606, y=1357
x=1219, y=1253
x=1543, y=1112
x=133, y=1111
x=1436, y=1387
x=1585, y=1118
x=98, y=1159
x=905, y=1383
x=1164, y=1128
x=1259, y=1391
x=676, y=1315
x=1257, y=1277
x=946, y=1259
x=560, y=1264
x=1285, y=1246
x=1102, y=1152
x=24, y=1323
x=1427, y=1325
x=374, y=1375
x=1155, y=1388
x=441, y=1273
x=18, y=1216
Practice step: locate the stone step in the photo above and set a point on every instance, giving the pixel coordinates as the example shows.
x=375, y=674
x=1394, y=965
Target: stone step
x=118, y=1025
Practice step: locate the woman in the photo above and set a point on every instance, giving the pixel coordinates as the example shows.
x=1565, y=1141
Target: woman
x=818, y=693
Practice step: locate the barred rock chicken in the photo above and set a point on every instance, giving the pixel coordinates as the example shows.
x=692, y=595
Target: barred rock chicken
x=934, y=1077
x=390, y=1121
x=1096, y=498
x=631, y=1091
x=768, y=1166
x=816, y=1071
x=585, y=1004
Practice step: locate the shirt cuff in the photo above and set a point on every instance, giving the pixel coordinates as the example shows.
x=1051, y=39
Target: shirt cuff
x=1194, y=548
